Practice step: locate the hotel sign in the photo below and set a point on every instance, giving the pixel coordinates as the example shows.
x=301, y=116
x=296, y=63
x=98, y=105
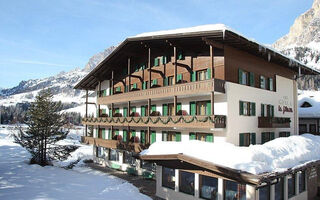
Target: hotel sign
x=285, y=105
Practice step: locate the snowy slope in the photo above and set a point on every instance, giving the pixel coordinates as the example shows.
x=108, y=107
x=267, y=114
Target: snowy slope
x=19, y=180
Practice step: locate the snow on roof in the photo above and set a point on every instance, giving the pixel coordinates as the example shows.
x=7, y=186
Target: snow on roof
x=277, y=155
x=313, y=98
x=195, y=29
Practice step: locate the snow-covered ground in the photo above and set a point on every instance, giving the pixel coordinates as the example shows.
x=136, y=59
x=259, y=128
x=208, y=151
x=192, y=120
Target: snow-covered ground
x=19, y=180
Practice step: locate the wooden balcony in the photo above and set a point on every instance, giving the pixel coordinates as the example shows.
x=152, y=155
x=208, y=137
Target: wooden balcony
x=114, y=144
x=217, y=121
x=274, y=122
x=181, y=89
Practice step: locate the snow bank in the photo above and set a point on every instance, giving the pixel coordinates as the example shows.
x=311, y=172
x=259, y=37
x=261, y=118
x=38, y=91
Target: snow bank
x=313, y=98
x=274, y=156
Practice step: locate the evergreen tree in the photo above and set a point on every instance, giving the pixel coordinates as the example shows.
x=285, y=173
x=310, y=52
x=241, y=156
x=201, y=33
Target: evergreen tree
x=45, y=129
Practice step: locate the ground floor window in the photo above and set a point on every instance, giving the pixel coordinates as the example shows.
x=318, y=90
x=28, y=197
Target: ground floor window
x=186, y=182
x=291, y=186
x=114, y=155
x=279, y=190
x=303, y=128
x=99, y=152
x=245, y=139
x=302, y=181
x=168, y=177
x=148, y=166
x=128, y=158
x=207, y=137
x=234, y=191
x=312, y=128
x=266, y=137
x=264, y=193
x=208, y=187
x=284, y=134
x=171, y=136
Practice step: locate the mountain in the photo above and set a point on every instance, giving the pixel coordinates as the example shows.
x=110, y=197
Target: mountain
x=303, y=43
x=61, y=86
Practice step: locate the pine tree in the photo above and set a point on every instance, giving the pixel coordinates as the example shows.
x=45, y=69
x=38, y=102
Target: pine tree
x=45, y=129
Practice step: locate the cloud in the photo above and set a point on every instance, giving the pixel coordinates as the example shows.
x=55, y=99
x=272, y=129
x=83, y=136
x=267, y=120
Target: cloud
x=35, y=62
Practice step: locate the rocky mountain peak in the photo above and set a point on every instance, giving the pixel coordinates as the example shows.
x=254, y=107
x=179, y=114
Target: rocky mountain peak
x=97, y=58
x=304, y=31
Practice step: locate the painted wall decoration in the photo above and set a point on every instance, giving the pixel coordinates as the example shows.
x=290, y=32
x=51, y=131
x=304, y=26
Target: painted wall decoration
x=285, y=105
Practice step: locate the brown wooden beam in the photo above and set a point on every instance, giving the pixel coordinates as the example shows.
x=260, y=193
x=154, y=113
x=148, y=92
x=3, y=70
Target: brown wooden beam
x=149, y=66
x=86, y=104
x=175, y=65
x=129, y=74
x=129, y=110
x=213, y=43
x=99, y=89
x=212, y=61
x=112, y=82
x=174, y=105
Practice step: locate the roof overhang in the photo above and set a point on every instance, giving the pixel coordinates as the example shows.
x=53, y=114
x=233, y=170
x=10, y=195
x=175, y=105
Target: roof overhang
x=129, y=47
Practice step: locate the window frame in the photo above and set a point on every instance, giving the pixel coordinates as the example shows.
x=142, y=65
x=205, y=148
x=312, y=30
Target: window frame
x=183, y=188
x=168, y=184
x=201, y=180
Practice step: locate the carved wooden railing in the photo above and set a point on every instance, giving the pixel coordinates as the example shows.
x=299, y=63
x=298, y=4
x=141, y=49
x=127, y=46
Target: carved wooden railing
x=274, y=122
x=167, y=91
x=216, y=121
x=115, y=144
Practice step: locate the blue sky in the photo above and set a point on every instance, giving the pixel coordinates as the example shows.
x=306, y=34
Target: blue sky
x=44, y=37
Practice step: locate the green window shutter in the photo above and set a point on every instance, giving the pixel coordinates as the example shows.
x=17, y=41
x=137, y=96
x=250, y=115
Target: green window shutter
x=143, y=111
x=110, y=91
x=155, y=82
x=192, y=136
x=288, y=134
x=153, y=137
x=117, y=110
x=125, y=111
x=143, y=137
x=178, y=137
x=153, y=108
x=164, y=60
x=104, y=111
x=118, y=89
x=253, y=138
x=164, y=109
x=117, y=132
x=179, y=77
x=144, y=85
x=241, y=107
x=109, y=134
x=263, y=138
x=156, y=62
x=209, y=137
x=270, y=80
x=103, y=133
x=272, y=111
x=164, y=135
x=133, y=133
x=133, y=109
x=110, y=112
x=208, y=108
x=165, y=81
x=251, y=77
x=180, y=55
x=104, y=93
x=125, y=135
x=178, y=106
x=262, y=110
x=240, y=76
x=253, y=109
x=241, y=139
x=209, y=73
x=193, y=76
x=193, y=108
x=135, y=86
x=272, y=136
x=262, y=82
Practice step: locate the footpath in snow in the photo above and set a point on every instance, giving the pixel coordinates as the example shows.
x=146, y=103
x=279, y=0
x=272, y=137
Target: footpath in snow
x=19, y=180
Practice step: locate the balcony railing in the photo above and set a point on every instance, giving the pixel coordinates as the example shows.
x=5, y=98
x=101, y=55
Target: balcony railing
x=216, y=121
x=274, y=122
x=114, y=144
x=192, y=88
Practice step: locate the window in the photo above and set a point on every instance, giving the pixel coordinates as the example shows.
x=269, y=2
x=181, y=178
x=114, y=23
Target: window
x=267, y=110
x=154, y=82
x=170, y=109
x=113, y=155
x=284, y=134
x=143, y=137
x=148, y=166
x=128, y=158
x=144, y=85
x=180, y=55
x=234, y=191
x=168, y=178
x=143, y=110
x=179, y=78
x=156, y=62
x=207, y=137
x=170, y=80
x=165, y=59
x=247, y=108
x=312, y=128
x=153, y=137
x=264, y=193
x=201, y=75
x=262, y=82
x=266, y=137
x=208, y=187
x=125, y=112
x=99, y=152
x=125, y=135
x=306, y=105
x=171, y=136
x=243, y=77
x=303, y=128
x=279, y=190
x=245, y=139
x=186, y=182
x=302, y=181
x=291, y=186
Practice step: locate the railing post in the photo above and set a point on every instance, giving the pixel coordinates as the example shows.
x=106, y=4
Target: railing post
x=129, y=75
x=86, y=103
x=212, y=103
x=112, y=83
x=175, y=65
x=149, y=66
x=129, y=110
x=174, y=105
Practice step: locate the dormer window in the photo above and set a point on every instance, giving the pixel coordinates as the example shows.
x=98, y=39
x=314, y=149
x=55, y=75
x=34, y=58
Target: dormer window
x=306, y=105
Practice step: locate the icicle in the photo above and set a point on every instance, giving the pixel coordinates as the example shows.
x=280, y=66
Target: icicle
x=269, y=56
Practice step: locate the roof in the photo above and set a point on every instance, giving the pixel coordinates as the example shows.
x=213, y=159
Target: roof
x=253, y=164
x=214, y=32
x=313, y=98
